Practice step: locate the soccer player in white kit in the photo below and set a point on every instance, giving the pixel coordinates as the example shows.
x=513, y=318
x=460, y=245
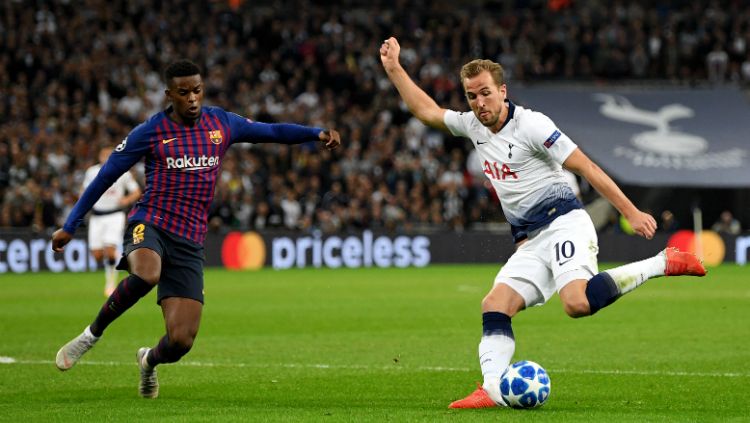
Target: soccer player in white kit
x=107, y=221
x=523, y=154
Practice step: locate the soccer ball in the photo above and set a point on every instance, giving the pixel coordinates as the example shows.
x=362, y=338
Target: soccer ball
x=525, y=384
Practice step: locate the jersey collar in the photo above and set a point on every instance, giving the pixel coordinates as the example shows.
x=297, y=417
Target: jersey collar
x=511, y=110
x=169, y=110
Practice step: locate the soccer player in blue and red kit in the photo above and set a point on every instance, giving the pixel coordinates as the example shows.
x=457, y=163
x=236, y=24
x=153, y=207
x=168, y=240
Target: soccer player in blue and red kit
x=163, y=245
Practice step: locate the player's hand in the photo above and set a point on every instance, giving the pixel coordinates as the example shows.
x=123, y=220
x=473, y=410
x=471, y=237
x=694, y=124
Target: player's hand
x=389, y=52
x=59, y=239
x=331, y=138
x=643, y=224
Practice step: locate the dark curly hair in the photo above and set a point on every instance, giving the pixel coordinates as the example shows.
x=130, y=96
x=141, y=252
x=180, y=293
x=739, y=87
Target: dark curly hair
x=180, y=68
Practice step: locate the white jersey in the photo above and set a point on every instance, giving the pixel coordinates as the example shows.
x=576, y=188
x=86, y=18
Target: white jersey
x=110, y=200
x=523, y=161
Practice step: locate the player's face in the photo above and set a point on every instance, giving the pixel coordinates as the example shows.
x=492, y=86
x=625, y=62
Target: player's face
x=186, y=95
x=486, y=99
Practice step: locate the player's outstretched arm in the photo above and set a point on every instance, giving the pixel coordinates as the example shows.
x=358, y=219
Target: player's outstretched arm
x=642, y=223
x=420, y=104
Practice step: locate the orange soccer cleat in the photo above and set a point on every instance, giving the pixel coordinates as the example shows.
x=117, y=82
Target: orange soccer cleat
x=477, y=399
x=682, y=263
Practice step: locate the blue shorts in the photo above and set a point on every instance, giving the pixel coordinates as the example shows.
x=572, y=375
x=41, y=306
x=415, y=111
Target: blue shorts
x=181, y=260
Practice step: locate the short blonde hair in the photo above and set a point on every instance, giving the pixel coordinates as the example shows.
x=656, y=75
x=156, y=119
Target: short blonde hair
x=477, y=66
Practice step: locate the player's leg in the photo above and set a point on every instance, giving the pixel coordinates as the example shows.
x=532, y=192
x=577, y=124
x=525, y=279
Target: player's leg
x=498, y=343
x=512, y=292
x=606, y=287
x=181, y=298
x=144, y=261
x=583, y=289
x=109, y=259
x=145, y=271
x=97, y=254
x=96, y=235
x=182, y=317
x=111, y=237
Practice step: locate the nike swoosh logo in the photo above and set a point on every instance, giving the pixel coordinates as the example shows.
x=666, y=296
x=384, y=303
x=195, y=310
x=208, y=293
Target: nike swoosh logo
x=563, y=262
x=167, y=141
x=480, y=143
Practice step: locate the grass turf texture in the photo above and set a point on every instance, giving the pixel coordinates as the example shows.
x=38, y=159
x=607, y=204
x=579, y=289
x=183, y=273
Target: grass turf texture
x=377, y=345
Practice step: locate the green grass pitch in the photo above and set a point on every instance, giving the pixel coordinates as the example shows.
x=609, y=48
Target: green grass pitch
x=377, y=345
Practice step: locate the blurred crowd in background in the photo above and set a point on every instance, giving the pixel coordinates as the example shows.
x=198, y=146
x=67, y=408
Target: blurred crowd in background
x=79, y=75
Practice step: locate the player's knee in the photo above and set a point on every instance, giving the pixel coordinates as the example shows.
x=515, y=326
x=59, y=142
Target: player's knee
x=495, y=301
x=183, y=335
x=489, y=301
x=577, y=308
x=182, y=339
x=150, y=277
x=97, y=254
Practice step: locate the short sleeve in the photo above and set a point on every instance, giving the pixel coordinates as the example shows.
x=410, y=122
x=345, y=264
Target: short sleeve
x=544, y=136
x=456, y=123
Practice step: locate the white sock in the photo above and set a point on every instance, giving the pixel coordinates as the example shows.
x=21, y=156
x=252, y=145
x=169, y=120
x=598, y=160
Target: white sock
x=495, y=353
x=631, y=276
x=87, y=333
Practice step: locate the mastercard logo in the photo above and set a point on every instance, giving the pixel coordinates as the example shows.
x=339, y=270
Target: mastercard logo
x=243, y=251
x=708, y=245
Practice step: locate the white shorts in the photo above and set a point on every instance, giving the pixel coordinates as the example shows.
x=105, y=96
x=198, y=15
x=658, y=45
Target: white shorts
x=106, y=230
x=559, y=254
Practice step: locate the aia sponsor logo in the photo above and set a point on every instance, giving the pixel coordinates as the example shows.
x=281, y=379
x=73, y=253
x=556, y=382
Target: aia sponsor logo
x=498, y=171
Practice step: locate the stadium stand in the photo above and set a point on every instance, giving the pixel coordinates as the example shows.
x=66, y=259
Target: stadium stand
x=79, y=75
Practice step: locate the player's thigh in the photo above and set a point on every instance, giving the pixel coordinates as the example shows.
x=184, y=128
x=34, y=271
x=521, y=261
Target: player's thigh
x=145, y=263
x=503, y=298
x=571, y=247
x=144, y=250
x=528, y=275
x=182, y=273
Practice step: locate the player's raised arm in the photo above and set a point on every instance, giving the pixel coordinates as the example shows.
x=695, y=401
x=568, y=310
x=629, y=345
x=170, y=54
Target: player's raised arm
x=642, y=223
x=420, y=104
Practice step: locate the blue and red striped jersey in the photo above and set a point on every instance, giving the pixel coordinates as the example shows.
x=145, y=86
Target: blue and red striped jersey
x=181, y=166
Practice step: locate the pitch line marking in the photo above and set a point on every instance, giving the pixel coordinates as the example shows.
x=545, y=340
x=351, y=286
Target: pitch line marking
x=11, y=360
